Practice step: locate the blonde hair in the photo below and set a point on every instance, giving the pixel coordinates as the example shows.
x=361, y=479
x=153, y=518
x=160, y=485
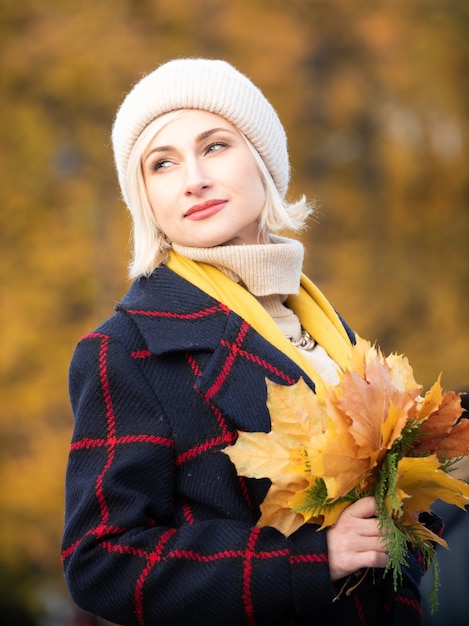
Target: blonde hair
x=150, y=244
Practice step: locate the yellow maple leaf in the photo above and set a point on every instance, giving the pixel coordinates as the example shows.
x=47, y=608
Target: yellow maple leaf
x=402, y=374
x=420, y=482
x=282, y=455
x=328, y=515
x=399, y=368
x=431, y=400
x=277, y=510
x=363, y=352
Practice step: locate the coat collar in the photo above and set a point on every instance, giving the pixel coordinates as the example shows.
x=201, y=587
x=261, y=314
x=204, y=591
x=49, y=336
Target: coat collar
x=172, y=314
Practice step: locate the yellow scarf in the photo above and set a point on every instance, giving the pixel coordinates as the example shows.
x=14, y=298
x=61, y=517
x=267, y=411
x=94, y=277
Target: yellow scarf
x=314, y=311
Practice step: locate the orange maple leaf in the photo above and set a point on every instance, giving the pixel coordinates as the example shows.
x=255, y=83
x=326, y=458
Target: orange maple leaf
x=368, y=413
x=440, y=432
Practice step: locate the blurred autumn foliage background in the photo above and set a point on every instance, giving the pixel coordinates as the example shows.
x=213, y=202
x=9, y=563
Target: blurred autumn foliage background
x=375, y=100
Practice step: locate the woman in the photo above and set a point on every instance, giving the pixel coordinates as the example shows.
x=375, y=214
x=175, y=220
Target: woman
x=159, y=528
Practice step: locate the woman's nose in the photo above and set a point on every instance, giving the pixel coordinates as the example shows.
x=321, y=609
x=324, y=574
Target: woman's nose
x=197, y=178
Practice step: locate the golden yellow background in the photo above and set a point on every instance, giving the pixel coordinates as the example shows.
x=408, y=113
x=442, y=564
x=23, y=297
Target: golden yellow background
x=375, y=101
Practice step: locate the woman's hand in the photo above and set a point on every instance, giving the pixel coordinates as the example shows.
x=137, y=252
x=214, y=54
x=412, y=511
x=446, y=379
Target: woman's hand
x=354, y=541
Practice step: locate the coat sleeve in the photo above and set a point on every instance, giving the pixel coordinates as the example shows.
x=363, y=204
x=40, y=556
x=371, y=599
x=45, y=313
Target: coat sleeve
x=125, y=559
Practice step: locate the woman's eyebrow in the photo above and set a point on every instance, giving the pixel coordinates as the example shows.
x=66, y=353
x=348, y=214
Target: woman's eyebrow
x=211, y=131
x=157, y=149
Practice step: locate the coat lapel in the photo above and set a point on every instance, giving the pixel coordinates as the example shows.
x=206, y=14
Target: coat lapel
x=173, y=315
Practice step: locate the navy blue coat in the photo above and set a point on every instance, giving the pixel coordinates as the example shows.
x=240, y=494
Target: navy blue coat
x=159, y=529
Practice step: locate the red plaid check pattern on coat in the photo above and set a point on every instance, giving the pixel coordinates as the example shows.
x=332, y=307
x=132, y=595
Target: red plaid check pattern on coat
x=159, y=529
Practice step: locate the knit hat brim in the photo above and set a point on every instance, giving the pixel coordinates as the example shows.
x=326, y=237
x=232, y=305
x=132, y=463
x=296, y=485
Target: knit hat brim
x=210, y=85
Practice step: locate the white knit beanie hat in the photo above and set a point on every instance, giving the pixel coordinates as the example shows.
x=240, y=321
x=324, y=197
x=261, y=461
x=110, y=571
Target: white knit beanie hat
x=210, y=85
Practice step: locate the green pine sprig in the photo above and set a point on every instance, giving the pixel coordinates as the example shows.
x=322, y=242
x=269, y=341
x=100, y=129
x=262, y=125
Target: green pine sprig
x=397, y=535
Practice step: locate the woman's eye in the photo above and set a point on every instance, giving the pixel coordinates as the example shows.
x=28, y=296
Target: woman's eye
x=216, y=145
x=159, y=165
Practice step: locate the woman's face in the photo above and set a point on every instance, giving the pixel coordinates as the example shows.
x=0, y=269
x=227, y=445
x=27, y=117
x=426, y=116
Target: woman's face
x=203, y=183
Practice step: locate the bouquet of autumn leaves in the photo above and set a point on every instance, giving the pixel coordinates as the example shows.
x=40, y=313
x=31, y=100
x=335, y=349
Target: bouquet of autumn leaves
x=371, y=434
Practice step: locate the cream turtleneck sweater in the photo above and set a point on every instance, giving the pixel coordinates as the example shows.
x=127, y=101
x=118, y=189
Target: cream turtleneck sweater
x=270, y=272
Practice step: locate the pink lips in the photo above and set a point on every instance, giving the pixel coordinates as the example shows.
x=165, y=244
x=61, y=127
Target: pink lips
x=205, y=209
